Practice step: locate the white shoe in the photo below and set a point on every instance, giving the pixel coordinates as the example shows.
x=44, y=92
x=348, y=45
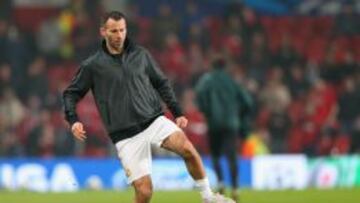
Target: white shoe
x=218, y=198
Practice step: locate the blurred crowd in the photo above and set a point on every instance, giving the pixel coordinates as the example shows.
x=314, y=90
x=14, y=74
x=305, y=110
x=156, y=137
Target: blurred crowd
x=301, y=70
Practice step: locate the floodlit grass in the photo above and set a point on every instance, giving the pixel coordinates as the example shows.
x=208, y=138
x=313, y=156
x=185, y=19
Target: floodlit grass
x=247, y=196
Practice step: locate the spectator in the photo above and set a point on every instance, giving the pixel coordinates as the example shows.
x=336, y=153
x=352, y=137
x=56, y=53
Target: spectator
x=349, y=100
x=5, y=77
x=250, y=25
x=174, y=59
x=37, y=81
x=276, y=98
x=4, y=41
x=49, y=38
x=286, y=55
x=11, y=109
x=191, y=19
x=164, y=24
x=40, y=141
x=346, y=23
x=83, y=39
x=197, y=62
x=297, y=82
x=257, y=57
x=9, y=145
x=256, y=144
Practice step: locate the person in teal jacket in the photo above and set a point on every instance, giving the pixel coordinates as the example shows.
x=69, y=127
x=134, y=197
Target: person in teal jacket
x=227, y=107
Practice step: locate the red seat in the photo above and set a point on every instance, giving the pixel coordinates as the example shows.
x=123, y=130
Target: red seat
x=315, y=49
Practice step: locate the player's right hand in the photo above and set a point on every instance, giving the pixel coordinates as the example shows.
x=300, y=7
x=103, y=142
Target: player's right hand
x=78, y=131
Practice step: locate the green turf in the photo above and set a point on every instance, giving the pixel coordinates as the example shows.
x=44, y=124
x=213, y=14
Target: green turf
x=247, y=196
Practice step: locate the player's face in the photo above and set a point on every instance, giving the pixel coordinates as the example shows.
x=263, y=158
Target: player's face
x=114, y=32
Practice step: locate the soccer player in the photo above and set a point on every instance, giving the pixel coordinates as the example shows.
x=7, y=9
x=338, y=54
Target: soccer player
x=127, y=85
x=226, y=107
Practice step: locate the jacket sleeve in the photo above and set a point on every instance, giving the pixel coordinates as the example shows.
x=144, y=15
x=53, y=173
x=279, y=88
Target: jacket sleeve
x=201, y=92
x=246, y=109
x=77, y=89
x=162, y=86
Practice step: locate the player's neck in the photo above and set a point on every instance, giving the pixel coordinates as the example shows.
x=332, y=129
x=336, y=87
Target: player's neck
x=113, y=50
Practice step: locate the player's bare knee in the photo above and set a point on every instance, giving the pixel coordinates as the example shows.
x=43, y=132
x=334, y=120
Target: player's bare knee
x=144, y=192
x=188, y=150
x=143, y=187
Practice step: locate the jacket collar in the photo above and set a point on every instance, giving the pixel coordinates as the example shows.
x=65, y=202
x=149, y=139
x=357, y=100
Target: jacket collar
x=129, y=45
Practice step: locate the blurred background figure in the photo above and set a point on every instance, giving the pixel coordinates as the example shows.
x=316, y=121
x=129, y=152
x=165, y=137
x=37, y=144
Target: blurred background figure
x=226, y=107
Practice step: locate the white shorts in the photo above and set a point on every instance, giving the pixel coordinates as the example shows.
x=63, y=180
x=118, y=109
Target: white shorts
x=135, y=152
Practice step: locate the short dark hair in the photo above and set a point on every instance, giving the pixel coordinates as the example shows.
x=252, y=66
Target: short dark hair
x=116, y=15
x=219, y=63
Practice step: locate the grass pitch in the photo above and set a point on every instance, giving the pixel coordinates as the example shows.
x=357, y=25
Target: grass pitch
x=247, y=196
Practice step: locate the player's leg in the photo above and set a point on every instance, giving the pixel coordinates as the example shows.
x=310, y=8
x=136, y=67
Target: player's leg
x=219, y=175
x=177, y=142
x=135, y=156
x=143, y=189
x=230, y=141
x=172, y=138
x=215, y=144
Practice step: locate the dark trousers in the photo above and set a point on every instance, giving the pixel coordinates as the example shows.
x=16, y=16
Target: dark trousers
x=224, y=142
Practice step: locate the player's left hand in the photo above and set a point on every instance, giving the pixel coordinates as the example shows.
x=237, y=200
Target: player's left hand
x=181, y=121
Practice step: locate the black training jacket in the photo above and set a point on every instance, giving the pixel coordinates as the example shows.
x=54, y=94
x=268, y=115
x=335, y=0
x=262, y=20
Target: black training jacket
x=127, y=89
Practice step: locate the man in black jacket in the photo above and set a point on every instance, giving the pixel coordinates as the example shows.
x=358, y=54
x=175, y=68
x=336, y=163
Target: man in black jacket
x=227, y=107
x=126, y=83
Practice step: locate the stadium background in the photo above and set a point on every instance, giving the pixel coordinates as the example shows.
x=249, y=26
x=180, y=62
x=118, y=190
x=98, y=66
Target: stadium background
x=298, y=59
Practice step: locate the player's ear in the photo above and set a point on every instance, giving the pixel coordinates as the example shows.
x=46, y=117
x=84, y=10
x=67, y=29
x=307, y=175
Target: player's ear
x=102, y=31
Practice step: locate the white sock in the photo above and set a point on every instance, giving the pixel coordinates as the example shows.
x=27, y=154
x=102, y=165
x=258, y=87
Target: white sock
x=203, y=186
